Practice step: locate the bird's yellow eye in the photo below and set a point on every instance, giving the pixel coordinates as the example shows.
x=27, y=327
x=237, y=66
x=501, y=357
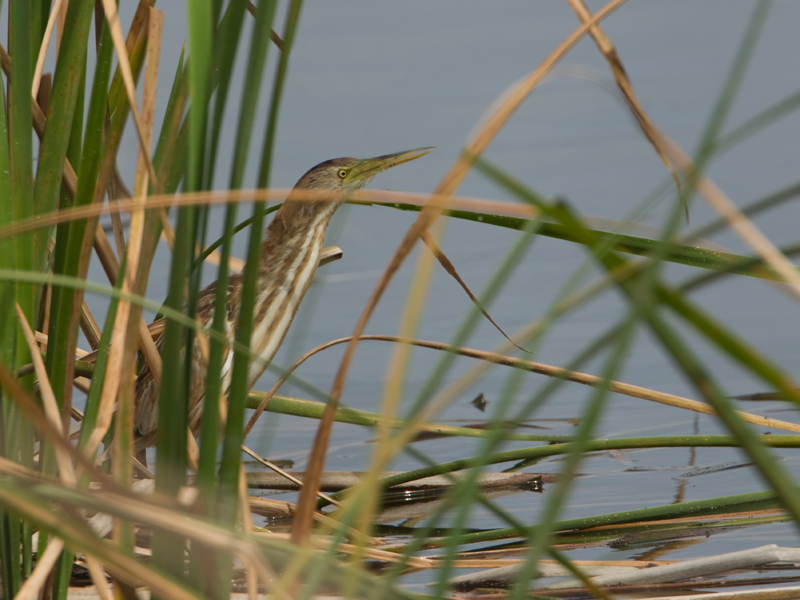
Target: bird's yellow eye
x=342, y=173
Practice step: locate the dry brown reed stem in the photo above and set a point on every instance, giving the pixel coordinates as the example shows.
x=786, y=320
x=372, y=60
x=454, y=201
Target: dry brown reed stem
x=608, y=50
x=382, y=454
x=382, y=555
x=749, y=233
x=49, y=402
x=42, y=338
x=302, y=526
x=33, y=585
x=112, y=16
x=65, y=466
x=251, y=577
x=128, y=324
x=448, y=266
x=90, y=327
x=98, y=575
x=111, y=267
x=298, y=482
x=268, y=195
x=618, y=387
x=276, y=39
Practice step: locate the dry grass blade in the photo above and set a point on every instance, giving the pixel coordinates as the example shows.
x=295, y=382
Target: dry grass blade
x=65, y=466
x=268, y=195
x=274, y=37
x=608, y=50
x=114, y=373
x=48, y=34
x=111, y=267
x=135, y=281
x=41, y=338
x=749, y=233
x=697, y=567
x=98, y=576
x=761, y=593
x=44, y=564
x=90, y=327
x=619, y=387
x=70, y=179
x=112, y=16
x=451, y=270
x=303, y=521
x=382, y=555
x=287, y=475
x=49, y=402
x=247, y=529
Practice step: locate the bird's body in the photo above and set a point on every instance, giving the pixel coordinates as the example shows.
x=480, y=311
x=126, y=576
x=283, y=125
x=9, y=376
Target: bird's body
x=289, y=258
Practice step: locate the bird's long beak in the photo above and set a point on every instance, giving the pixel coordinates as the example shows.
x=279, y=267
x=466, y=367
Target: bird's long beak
x=369, y=167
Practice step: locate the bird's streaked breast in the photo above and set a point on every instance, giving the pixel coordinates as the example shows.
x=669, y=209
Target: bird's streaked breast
x=275, y=313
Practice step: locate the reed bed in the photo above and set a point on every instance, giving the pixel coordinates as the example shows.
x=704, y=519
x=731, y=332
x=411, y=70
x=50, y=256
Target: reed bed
x=203, y=526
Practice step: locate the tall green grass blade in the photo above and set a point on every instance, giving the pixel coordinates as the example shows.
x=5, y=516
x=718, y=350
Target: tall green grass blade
x=9, y=559
x=590, y=418
x=229, y=468
x=63, y=326
x=118, y=107
x=725, y=340
x=292, y=18
x=63, y=330
x=20, y=125
x=250, y=94
x=201, y=35
x=709, y=506
x=178, y=354
x=7, y=260
x=695, y=282
x=231, y=447
x=78, y=235
x=170, y=151
x=100, y=367
x=693, y=256
x=226, y=44
x=768, y=467
x=64, y=96
x=173, y=404
x=165, y=152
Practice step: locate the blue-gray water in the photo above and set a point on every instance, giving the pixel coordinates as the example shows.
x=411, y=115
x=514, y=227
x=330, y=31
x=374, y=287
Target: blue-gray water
x=370, y=78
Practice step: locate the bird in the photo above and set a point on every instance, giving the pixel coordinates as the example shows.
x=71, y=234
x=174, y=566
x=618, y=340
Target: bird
x=290, y=253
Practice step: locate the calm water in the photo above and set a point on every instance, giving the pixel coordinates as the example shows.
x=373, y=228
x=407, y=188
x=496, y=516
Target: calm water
x=371, y=78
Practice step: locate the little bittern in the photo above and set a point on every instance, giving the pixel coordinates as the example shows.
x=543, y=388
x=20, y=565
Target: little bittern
x=289, y=258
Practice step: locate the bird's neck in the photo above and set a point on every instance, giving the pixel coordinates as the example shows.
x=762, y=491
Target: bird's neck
x=289, y=259
x=296, y=232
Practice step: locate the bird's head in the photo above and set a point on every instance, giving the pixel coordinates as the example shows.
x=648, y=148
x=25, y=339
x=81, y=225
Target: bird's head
x=343, y=176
